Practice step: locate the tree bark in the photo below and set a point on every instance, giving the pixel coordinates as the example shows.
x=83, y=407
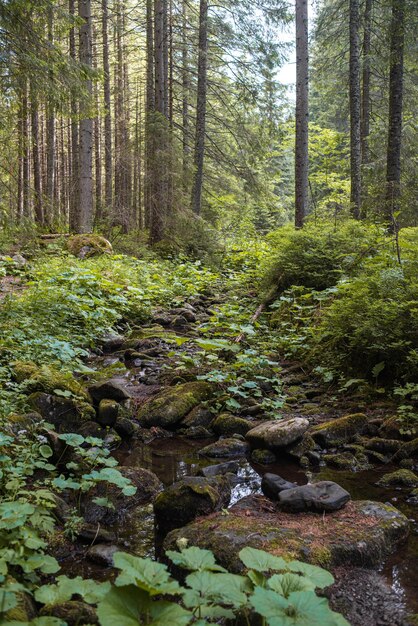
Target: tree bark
x=393, y=167
x=25, y=157
x=50, y=136
x=302, y=114
x=74, y=169
x=185, y=95
x=86, y=124
x=365, y=106
x=149, y=115
x=108, y=112
x=355, y=110
x=36, y=160
x=199, y=151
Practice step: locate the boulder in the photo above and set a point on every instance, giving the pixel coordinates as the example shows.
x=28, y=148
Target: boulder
x=362, y=533
x=102, y=554
x=302, y=447
x=324, y=495
x=199, y=416
x=147, y=486
x=273, y=484
x=170, y=406
x=228, y=424
x=196, y=432
x=66, y=414
x=72, y=613
x=225, y=448
x=189, y=498
x=111, y=389
x=125, y=427
x=88, y=244
x=263, y=457
x=340, y=430
x=378, y=444
x=231, y=467
x=347, y=461
x=407, y=451
x=394, y=428
x=400, y=478
x=277, y=433
x=107, y=412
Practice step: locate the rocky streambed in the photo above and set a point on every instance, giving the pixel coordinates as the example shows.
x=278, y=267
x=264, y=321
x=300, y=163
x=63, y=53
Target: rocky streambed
x=197, y=469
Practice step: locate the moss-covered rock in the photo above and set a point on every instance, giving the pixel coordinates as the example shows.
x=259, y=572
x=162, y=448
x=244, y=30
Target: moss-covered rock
x=225, y=449
x=346, y=461
x=88, y=244
x=199, y=416
x=73, y=613
x=189, y=498
x=340, y=430
x=400, y=478
x=407, y=451
x=380, y=444
x=362, y=533
x=300, y=448
x=263, y=457
x=277, y=433
x=394, y=428
x=107, y=412
x=48, y=379
x=66, y=414
x=228, y=424
x=169, y=407
x=24, y=611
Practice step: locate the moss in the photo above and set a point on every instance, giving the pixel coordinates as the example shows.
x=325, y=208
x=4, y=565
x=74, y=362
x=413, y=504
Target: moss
x=65, y=413
x=321, y=555
x=340, y=430
x=174, y=403
x=73, y=612
x=400, y=478
x=300, y=448
x=263, y=457
x=95, y=243
x=46, y=378
x=227, y=424
x=407, y=451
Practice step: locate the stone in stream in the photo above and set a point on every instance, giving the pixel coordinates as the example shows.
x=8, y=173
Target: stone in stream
x=400, y=478
x=273, y=484
x=225, y=448
x=199, y=416
x=111, y=389
x=361, y=533
x=228, y=424
x=277, y=433
x=107, y=412
x=407, y=451
x=340, y=430
x=189, y=498
x=66, y=414
x=102, y=554
x=169, y=407
x=263, y=457
x=230, y=467
x=324, y=495
x=125, y=427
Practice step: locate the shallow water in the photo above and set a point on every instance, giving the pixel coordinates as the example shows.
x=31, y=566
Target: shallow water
x=171, y=459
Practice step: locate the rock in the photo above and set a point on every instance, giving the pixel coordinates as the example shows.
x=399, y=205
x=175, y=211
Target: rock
x=147, y=486
x=227, y=424
x=94, y=533
x=392, y=427
x=125, y=427
x=277, y=433
x=199, y=416
x=102, y=554
x=302, y=447
x=273, y=484
x=111, y=439
x=72, y=612
x=185, y=312
x=340, y=430
x=225, y=448
x=346, y=461
x=196, y=432
x=171, y=405
x=407, y=451
x=179, y=321
x=112, y=342
x=400, y=478
x=108, y=390
x=381, y=445
x=91, y=429
x=361, y=533
x=254, y=409
x=324, y=495
x=263, y=457
x=48, y=379
x=66, y=414
x=87, y=245
x=107, y=412
x=19, y=260
x=231, y=467
x=189, y=498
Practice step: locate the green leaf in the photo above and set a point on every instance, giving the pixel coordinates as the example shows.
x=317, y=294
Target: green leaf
x=284, y=584
x=261, y=561
x=72, y=439
x=45, y=451
x=195, y=558
x=167, y=613
x=122, y=606
x=146, y=574
x=378, y=369
x=65, y=588
x=317, y=575
x=208, y=587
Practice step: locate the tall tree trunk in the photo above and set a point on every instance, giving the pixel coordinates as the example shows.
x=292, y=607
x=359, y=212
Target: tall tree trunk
x=365, y=106
x=108, y=111
x=74, y=165
x=97, y=143
x=302, y=113
x=355, y=110
x=36, y=159
x=149, y=116
x=50, y=134
x=26, y=157
x=86, y=124
x=393, y=167
x=185, y=96
x=199, y=152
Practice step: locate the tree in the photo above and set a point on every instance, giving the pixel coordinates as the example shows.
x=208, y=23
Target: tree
x=199, y=150
x=393, y=166
x=355, y=110
x=365, y=101
x=108, y=169
x=302, y=113
x=85, y=218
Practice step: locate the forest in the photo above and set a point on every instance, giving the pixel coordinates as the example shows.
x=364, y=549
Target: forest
x=208, y=313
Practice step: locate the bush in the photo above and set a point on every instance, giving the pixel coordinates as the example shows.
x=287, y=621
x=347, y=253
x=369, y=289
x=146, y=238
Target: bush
x=319, y=255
